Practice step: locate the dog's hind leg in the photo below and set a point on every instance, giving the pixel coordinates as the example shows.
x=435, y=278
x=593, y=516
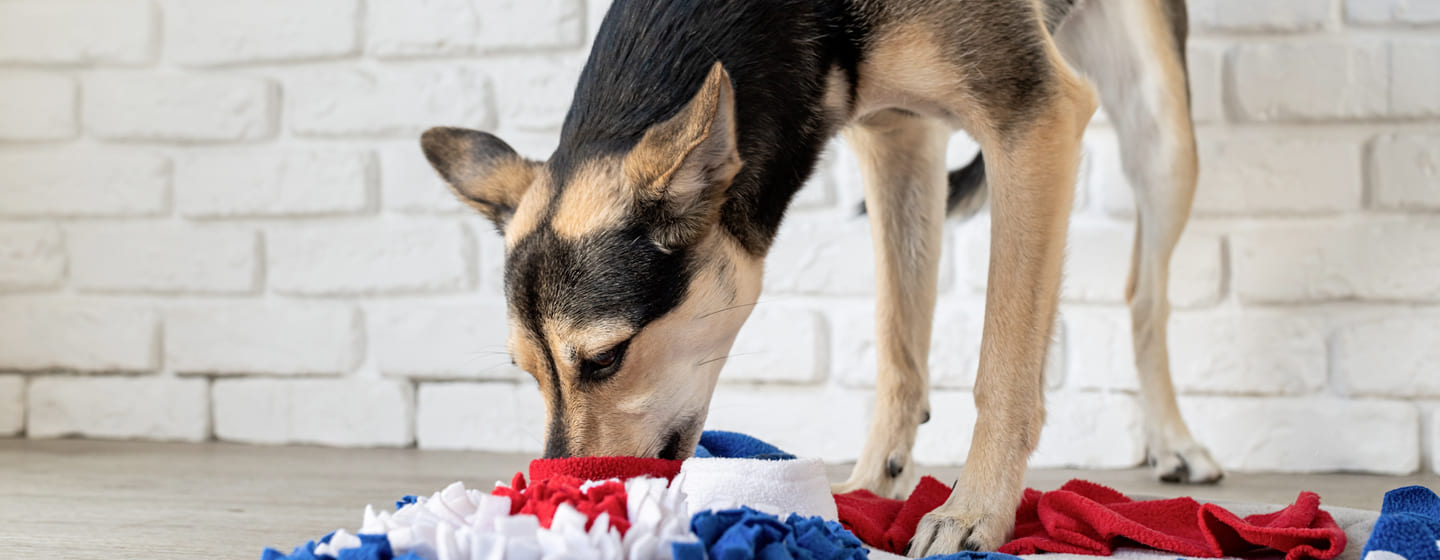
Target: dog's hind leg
x=1134, y=51
x=902, y=160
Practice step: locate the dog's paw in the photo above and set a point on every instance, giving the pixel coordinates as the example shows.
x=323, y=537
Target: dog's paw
x=1191, y=464
x=953, y=528
x=895, y=480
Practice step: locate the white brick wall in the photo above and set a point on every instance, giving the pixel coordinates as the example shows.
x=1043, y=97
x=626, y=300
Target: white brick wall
x=218, y=208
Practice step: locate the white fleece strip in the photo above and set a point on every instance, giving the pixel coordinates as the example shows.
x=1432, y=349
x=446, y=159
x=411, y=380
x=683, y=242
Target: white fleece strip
x=775, y=487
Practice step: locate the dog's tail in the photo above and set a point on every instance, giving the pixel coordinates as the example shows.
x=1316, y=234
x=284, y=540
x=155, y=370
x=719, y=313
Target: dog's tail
x=968, y=192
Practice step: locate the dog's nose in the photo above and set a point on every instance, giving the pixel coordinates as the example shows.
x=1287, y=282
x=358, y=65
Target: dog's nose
x=556, y=449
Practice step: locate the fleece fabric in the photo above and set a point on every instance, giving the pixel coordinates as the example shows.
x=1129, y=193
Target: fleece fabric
x=1408, y=527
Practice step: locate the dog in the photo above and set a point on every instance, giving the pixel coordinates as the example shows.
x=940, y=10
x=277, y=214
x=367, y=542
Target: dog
x=634, y=253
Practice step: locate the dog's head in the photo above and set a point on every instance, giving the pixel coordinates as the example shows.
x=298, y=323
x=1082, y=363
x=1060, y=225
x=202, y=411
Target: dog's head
x=624, y=292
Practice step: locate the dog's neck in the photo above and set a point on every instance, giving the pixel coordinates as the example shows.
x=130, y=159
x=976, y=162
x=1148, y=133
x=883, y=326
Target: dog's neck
x=650, y=57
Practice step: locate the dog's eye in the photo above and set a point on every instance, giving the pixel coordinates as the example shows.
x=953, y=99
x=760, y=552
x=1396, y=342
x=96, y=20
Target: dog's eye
x=603, y=364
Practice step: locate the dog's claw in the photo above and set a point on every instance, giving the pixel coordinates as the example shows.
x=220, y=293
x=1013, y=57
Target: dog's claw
x=951, y=529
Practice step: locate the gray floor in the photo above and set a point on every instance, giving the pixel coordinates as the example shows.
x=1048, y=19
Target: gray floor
x=87, y=499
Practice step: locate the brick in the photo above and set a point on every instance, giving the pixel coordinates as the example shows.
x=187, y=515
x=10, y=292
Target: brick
x=368, y=257
x=395, y=102
x=162, y=258
x=107, y=184
x=945, y=439
x=823, y=256
x=1322, y=80
x=492, y=256
x=829, y=423
x=1390, y=357
x=1405, y=172
x=499, y=417
x=1317, y=262
x=450, y=27
x=32, y=256
x=1272, y=15
x=272, y=183
x=1203, y=62
x=954, y=346
x=1435, y=442
x=1266, y=352
x=408, y=183
x=1415, y=77
x=1092, y=431
x=462, y=340
x=1097, y=263
x=534, y=92
x=338, y=412
x=1301, y=434
x=167, y=107
x=12, y=405
x=256, y=337
x=1413, y=12
x=37, y=106
x=778, y=345
x=1272, y=175
x=215, y=32
x=76, y=32
x=156, y=408
x=85, y=335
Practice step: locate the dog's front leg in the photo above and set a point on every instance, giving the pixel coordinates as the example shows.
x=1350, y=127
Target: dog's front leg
x=902, y=159
x=1031, y=181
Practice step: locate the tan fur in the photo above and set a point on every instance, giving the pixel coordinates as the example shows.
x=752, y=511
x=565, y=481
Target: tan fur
x=529, y=211
x=902, y=160
x=1126, y=49
x=597, y=198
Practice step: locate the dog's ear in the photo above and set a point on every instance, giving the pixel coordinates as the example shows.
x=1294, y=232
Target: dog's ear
x=685, y=164
x=481, y=169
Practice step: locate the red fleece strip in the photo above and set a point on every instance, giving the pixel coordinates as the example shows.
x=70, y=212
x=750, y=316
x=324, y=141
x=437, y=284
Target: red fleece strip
x=543, y=497
x=1087, y=518
x=603, y=468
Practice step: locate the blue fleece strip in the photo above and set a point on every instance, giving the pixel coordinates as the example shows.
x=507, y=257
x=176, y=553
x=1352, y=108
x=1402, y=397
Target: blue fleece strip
x=744, y=533
x=716, y=443
x=1409, y=524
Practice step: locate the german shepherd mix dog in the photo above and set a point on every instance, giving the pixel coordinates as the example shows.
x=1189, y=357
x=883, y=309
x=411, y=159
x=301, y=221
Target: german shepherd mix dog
x=634, y=254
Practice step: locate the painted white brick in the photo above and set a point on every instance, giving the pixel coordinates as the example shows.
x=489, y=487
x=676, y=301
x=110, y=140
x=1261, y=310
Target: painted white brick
x=339, y=412
x=272, y=182
x=1097, y=262
x=213, y=32
x=1091, y=430
x=168, y=107
x=1435, y=443
x=1415, y=12
x=264, y=338
x=829, y=423
x=1278, y=176
x=1303, y=434
x=1313, y=262
x=161, y=258
x=83, y=183
x=778, y=345
x=492, y=256
x=88, y=335
x=447, y=27
x=1390, y=357
x=945, y=439
x=442, y=340
x=12, y=405
x=1270, y=15
x=503, y=417
x=36, y=106
x=160, y=408
x=368, y=257
x=1405, y=172
x=824, y=256
x=1309, y=80
x=534, y=92
x=31, y=256
x=1415, y=77
x=954, y=346
x=1204, y=63
x=76, y=32
x=409, y=184
x=397, y=102
x=1265, y=352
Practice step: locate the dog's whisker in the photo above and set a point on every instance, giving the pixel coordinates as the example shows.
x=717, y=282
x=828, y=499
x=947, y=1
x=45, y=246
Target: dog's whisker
x=730, y=308
x=726, y=357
